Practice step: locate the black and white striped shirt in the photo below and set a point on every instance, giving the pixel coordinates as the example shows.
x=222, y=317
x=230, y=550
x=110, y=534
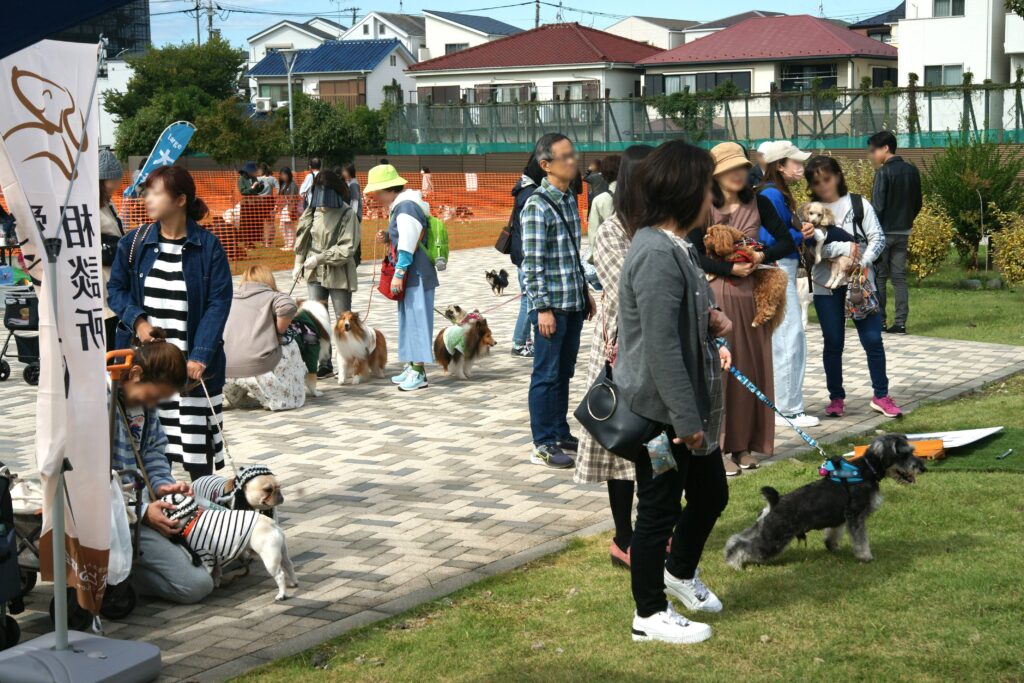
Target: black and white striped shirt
x=165, y=297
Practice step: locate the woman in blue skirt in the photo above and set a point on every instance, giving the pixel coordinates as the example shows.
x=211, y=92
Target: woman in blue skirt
x=415, y=274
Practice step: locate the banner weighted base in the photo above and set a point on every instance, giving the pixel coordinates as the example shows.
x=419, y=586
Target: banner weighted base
x=88, y=659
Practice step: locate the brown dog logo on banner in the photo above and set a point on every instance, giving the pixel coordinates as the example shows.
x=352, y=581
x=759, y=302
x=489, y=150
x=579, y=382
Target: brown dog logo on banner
x=53, y=110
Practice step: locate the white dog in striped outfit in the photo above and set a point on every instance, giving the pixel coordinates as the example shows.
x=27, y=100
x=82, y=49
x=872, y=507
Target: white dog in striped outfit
x=220, y=536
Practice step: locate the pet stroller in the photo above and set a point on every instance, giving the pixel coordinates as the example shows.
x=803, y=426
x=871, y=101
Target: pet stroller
x=21, y=318
x=10, y=582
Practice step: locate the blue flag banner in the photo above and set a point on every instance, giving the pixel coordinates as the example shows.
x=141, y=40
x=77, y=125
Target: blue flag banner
x=168, y=148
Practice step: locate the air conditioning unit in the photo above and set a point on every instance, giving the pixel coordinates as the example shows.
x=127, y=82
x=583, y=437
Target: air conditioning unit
x=263, y=104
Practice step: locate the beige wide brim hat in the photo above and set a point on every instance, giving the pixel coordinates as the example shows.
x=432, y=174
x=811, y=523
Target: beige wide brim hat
x=728, y=156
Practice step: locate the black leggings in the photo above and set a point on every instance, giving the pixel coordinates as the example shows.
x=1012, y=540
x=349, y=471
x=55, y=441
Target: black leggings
x=658, y=513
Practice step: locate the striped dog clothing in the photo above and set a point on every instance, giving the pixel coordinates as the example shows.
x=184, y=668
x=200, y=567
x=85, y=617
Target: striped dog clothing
x=216, y=536
x=214, y=487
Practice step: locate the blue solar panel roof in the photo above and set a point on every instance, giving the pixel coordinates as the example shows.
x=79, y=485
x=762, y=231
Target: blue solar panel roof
x=333, y=56
x=483, y=24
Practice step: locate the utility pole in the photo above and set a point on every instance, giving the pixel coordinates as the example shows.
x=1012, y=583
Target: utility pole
x=536, y=13
x=209, y=20
x=198, y=39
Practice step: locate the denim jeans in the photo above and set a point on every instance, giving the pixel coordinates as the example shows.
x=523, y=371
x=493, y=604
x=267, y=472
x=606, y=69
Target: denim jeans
x=658, y=518
x=789, y=348
x=893, y=264
x=831, y=310
x=521, y=334
x=554, y=363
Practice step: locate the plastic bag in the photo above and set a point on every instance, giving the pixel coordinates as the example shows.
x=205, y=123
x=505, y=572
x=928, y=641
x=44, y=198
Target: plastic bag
x=120, y=563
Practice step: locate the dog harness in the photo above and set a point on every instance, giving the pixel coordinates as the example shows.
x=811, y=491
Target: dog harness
x=842, y=471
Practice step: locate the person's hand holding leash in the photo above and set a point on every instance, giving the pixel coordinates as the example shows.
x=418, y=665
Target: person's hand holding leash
x=725, y=357
x=143, y=330
x=195, y=370
x=692, y=441
x=398, y=282
x=312, y=261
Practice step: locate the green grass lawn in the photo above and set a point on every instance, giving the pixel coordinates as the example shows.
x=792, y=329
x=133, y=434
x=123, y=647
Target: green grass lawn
x=942, y=601
x=940, y=308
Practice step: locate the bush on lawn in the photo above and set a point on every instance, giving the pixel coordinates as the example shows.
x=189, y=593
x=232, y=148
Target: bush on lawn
x=929, y=240
x=968, y=176
x=1008, y=245
x=860, y=176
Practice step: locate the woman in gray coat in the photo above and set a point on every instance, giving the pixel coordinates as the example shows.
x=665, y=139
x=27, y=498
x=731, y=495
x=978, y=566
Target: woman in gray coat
x=669, y=370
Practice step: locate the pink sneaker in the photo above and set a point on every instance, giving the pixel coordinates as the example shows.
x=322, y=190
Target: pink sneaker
x=836, y=408
x=886, y=406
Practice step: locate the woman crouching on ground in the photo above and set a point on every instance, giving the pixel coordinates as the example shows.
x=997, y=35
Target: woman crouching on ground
x=594, y=464
x=162, y=569
x=261, y=369
x=669, y=370
x=415, y=275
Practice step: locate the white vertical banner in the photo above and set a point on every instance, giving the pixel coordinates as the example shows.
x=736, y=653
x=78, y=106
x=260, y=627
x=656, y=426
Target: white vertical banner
x=45, y=118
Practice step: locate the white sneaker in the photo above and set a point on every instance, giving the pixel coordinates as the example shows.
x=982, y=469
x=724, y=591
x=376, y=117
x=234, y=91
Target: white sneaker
x=694, y=595
x=669, y=627
x=801, y=420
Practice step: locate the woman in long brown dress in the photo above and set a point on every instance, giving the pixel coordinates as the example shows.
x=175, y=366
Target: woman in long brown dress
x=749, y=425
x=593, y=463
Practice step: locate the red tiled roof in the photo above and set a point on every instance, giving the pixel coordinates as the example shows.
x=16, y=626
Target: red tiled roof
x=773, y=39
x=544, y=45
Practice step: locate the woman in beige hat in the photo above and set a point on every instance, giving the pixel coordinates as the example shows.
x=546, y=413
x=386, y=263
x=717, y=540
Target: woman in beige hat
x=749, y=425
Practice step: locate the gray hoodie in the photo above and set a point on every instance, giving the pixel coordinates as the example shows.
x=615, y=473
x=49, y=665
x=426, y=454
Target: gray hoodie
x=251, y=341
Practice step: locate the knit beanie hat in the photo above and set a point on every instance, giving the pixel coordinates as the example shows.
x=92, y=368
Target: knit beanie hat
x=110, y=167
x=248, y=473
x=187, y=507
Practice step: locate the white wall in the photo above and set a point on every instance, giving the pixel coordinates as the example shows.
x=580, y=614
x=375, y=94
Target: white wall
x=636, y=28
x=974, y=40
x=619, y=80
x=282, y=35
x=690, y=36
x=383, y=75
x=1014, y=43
x=118, y=74
x=440, y=33
x=381, y=30
x=326, y=26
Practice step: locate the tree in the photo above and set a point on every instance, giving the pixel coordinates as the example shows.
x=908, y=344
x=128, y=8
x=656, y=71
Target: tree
x=1015, y=6
x=228, y=135
x=335, y=133
x=969, y=177
x=177, y=82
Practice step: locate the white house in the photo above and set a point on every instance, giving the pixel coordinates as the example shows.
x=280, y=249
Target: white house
x=118, y=73
x=657, y=31
x=448, y=32
x=757, y=58
x=291, y=35
x=554, y=61
x=1013, y=43
x=941, y=39
x=706, y=28
x=884, y=26
x=408, y=29
x=348, y=72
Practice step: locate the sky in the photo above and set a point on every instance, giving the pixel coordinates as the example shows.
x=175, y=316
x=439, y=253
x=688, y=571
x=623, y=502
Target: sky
x=238, y=19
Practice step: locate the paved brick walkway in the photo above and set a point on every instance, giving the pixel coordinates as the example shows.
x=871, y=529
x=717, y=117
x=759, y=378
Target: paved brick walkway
x=394, y=499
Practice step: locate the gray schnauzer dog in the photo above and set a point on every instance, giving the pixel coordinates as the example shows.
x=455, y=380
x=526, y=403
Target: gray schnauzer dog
x=842, y=499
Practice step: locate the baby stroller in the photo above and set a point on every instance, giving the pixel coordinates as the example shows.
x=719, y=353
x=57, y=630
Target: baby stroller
x=21, y=318
x=10, y=582
x=119, y=599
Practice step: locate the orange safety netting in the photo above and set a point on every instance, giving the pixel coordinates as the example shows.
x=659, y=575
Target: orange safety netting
x=474, y=206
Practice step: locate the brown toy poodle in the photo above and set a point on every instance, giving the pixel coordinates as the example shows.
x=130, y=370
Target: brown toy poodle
x=729, y=244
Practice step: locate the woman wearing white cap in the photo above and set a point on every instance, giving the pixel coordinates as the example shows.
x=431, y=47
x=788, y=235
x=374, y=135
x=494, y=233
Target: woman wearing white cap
x=784, y=167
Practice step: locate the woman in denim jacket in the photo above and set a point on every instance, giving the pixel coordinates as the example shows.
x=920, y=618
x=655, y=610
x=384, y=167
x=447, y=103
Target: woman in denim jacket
x=173, y=274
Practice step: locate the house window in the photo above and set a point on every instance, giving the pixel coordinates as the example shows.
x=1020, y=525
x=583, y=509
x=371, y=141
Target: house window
x=383, y=29
x=945, y=74
x=881, y=74
x=394, y=60
x=278, y=92
x=452, y=48
x=706, y=81
x=804, y=76
x=439, y=94
x=366, y=29
x=882, y=36
x=487, y=93
x=949, y=8
x=577, y=90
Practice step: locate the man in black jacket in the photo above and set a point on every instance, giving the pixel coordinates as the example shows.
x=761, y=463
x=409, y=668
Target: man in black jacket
x=896, y=198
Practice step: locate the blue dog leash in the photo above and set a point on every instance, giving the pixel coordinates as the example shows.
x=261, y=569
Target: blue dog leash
x=745, y=381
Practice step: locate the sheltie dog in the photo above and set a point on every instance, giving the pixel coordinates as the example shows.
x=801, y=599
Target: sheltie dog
x=360, y=351
x=317, y=313
x=458, y=347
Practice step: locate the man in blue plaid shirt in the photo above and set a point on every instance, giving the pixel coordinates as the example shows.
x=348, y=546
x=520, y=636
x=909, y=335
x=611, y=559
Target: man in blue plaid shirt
x=559, y=298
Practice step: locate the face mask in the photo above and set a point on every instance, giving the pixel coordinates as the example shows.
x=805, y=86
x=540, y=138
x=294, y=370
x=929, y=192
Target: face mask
x=795, y=174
